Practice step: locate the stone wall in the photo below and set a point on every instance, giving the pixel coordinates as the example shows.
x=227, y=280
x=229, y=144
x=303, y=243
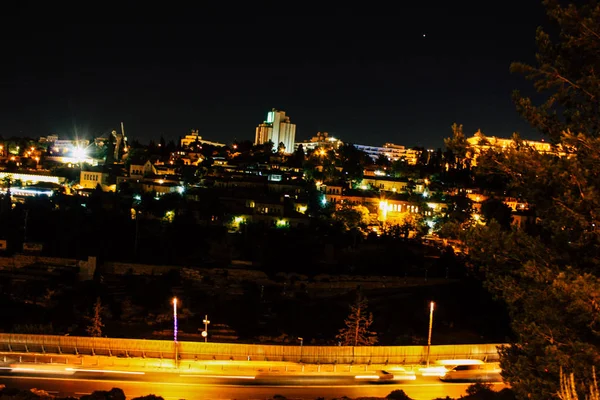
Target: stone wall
x=86, y=268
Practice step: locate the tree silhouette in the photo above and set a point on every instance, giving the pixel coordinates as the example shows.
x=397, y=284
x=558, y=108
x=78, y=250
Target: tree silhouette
x=457, y=145
x=96, y=325
x=357, y=330
x=549, y=277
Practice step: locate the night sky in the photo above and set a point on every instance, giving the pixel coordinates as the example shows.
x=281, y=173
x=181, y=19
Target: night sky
x=365, y=79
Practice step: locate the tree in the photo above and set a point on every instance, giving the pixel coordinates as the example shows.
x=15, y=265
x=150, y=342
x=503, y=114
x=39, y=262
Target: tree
x=549, y=278
x=281, y=148
x=383, y=161
x=495, y=209
x=353, y=161
x=96, y=325
x=458, y=145
x=358, y=324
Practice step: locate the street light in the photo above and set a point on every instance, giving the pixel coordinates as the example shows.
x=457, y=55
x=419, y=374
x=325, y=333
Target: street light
x=175, y=327
x=431, y=307
x=205, y=333
x=301, y=347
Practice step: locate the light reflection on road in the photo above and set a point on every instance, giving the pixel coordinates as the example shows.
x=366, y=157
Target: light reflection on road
x=171, y=386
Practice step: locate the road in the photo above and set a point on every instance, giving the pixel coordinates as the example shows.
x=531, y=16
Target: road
x=191, y=387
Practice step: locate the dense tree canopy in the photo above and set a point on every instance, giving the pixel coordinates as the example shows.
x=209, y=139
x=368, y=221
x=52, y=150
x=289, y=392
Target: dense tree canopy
x=549, y=277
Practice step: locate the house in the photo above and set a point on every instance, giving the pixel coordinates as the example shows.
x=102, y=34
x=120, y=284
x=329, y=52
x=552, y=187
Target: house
x=138, y=171
x=91, y=177
x=384, y=183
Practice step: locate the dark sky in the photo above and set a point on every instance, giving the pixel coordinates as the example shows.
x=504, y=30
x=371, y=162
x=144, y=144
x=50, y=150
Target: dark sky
x=366, y=79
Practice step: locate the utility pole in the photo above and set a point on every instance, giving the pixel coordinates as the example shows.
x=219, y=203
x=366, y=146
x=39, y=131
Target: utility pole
x=205, y=333
x=431, y=307
x=175, y=330
x=357, y=325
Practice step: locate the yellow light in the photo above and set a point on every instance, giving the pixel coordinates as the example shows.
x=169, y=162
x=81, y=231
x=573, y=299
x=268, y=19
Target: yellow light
x=238, y=220
x=432, y=306
x=175, y=301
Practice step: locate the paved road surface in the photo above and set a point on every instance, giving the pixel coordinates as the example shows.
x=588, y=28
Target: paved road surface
x=191, y=388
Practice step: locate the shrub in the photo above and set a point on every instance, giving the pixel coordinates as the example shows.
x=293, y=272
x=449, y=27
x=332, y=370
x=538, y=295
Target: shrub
x=398, y=395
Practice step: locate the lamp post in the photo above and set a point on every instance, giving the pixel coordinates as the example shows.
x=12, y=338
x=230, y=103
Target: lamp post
x=175, y=328
x=205, y=333
x=431, y=307
x=301, y=347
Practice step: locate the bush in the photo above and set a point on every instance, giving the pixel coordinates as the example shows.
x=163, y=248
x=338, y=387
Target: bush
x=483, y=391
x=478, y=388
x=148, y=397
x=398, y=395
x=112, y=394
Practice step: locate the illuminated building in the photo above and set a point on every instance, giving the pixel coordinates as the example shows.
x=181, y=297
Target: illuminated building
x=278, y=129
x=479, y=143
x=194, y=137
x=321, y=140
x=393, y=152
x=32, y=179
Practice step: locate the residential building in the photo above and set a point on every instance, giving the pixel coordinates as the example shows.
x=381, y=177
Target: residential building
x=393, y=152
x=90, y=178
x=32, y=179
x=480, y=142
x=384, y=183
x=66, y=146
x=194, y=137
x=139, y=171
x=277, y=129
x=321, y=140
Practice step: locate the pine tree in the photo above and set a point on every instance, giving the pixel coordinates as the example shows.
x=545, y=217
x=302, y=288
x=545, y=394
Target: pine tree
x=96, y=325
x=549, y=277
x=458, y=145
x=357, y=330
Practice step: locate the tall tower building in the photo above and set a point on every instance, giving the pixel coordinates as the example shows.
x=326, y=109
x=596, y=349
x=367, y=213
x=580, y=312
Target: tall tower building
x=278, y=129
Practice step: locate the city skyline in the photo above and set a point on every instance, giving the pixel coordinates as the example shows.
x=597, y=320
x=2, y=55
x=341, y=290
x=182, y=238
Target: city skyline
x=370, y=80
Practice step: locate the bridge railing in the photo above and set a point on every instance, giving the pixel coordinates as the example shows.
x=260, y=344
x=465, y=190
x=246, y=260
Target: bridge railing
x=229, y=351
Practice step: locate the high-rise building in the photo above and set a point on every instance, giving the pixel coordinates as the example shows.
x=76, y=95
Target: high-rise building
x=278, y=129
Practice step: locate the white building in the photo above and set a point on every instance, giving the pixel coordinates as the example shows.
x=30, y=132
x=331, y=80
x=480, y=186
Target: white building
x=321, y=140
x=278, y=129
x=393, y=152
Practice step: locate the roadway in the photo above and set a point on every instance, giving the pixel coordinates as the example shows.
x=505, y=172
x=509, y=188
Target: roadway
x=205, y=386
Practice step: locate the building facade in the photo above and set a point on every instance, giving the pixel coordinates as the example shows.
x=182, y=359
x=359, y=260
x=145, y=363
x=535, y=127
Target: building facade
x=393, y=152
x=278, y=129
x=194, y=137
x=480, y=143
x=320, y=140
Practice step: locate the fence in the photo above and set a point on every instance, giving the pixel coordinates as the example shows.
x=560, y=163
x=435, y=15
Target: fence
x=227, y=351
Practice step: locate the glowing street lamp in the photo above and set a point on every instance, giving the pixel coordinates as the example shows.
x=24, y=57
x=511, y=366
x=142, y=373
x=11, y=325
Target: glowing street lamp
x=175, y=319
x=431, y=308
x=205, y=332
x=175, y=330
